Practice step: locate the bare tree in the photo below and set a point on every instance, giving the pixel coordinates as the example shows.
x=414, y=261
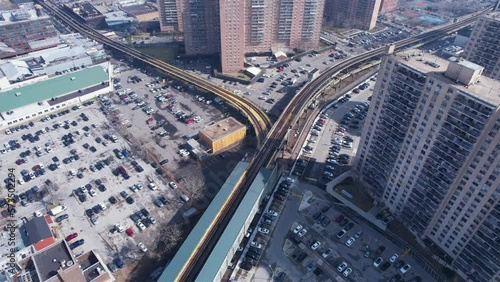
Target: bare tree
x=170, y=236
x=194, y=187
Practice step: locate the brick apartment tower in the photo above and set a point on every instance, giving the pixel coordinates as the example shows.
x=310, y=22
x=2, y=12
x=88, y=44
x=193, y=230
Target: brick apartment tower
x=430, y=151
x=482, y=47
x=233, y=28
x=387, y=6
x=360, y=14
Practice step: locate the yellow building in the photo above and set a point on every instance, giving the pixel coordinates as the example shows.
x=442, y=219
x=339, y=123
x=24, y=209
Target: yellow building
x=223, y=134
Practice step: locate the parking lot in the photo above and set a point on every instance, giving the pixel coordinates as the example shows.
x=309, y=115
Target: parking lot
x=112, y=174
x=334, y=138
x=71, y=156
x=311, y=239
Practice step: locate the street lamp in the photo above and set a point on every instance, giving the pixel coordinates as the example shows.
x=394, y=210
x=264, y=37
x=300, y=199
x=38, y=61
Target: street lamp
x=272, y=272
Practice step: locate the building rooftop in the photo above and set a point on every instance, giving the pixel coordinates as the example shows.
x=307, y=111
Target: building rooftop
x=85, y=10
x=19, y=15
x=222, y=128
x=487, y=89
x=49, y=261
x=36, y=230
x=493, y=15
x=53, y=87
x=137, y=10
x=229, y=236
x=190, y=244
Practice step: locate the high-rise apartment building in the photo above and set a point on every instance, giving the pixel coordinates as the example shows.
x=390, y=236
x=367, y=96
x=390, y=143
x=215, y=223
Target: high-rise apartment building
x=233, y=28
x=482, y=47
x=431, y=153
x=169, y=19
x=267, y=25
x=387, y=6
x=360, y=14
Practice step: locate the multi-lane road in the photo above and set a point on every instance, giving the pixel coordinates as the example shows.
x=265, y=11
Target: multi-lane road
x=270, y=140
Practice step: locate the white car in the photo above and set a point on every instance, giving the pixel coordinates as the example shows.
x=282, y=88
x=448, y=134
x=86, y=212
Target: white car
x=119, y=228
x=172, y=184
x=142, y=247
x=152, y=220
x=393, y=258
x=378, y=262
x=297, y=229
x=342, y=266
x=347, y=272
x=302, y=232
x=326, y=253
x=405, y=269
x=350, y=241
x=263, y=230
x=315, y=245
x=152, y=186
x=140, y=225
x=92, y=192
x=273, y=213
x=256, y=245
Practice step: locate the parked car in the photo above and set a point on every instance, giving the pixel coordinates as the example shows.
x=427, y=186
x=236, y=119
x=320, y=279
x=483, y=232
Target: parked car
x=342, y=267
x=350, y=241
x=378, y=262
x=315, y=245
x=393, y=258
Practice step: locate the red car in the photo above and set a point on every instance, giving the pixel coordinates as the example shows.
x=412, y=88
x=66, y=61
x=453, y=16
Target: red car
x=190, y=121
x=339, y=218
x=130, y=232
x=20, y=162
x=71, y=236
x=149, y=120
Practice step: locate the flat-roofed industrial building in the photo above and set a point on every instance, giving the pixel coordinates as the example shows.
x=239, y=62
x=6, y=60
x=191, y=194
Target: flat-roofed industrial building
x=223, y=134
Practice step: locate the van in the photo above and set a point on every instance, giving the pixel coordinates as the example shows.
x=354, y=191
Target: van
x=184, y=198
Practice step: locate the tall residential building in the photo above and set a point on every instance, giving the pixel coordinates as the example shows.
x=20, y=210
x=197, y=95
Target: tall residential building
x=234, y=28
x=482, y=47
x=360, y=14
x=387, y=6
x=431, y=153
x=170, y=20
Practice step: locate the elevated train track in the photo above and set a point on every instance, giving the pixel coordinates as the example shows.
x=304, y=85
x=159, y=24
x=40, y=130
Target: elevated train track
x=257, y=117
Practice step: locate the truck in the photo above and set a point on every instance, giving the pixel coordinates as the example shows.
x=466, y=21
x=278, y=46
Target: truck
x=57, y=209
x=189, y=213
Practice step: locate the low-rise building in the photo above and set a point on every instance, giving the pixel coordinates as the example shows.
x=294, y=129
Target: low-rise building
x=223, y=134
x=40, y=98
x=25, y=30
x=142, y=13
x=38, y=233
x=58, y=263
x=87, y=14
